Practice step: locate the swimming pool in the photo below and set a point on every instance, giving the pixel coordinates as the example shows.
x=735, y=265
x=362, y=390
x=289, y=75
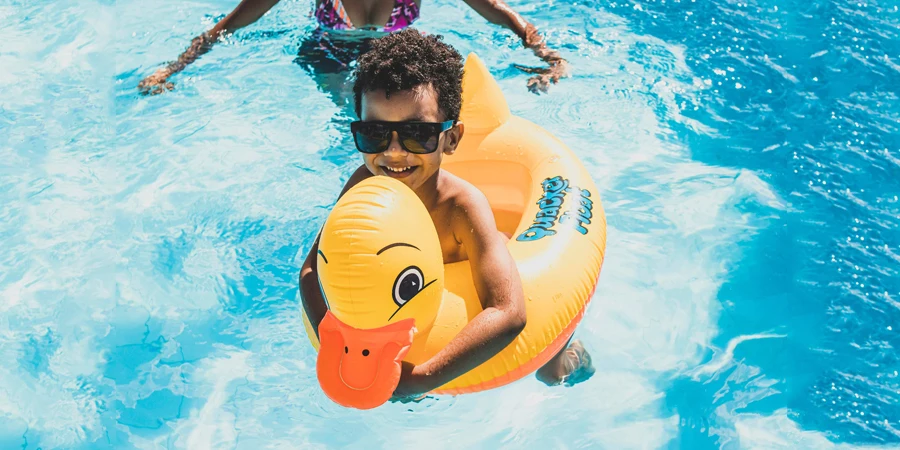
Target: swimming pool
x=748, y=156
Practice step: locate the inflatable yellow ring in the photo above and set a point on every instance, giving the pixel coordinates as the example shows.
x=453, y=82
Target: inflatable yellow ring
x=372, y=249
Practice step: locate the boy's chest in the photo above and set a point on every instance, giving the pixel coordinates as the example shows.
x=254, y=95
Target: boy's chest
x=452, y=249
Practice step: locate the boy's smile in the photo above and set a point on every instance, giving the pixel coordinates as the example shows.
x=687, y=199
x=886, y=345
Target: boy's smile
x=419, y=104
x=399, y=172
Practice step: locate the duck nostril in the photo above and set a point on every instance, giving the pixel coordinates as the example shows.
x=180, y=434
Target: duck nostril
x=366, y=352
x=346, y=350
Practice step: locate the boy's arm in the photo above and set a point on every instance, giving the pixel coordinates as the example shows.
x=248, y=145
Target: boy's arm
x=247, y=12
x=500, y=291
x=310, y=292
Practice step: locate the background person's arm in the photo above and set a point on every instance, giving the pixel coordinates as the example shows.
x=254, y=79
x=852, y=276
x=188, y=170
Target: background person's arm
x=499, y=13
x=246, y=13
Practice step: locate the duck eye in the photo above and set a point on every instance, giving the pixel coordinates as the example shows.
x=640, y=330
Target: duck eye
x=407, y=285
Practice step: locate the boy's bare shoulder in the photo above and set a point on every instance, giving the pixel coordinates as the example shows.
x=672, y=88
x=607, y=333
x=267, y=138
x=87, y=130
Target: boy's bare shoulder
x=360, y=174
x=467, y=201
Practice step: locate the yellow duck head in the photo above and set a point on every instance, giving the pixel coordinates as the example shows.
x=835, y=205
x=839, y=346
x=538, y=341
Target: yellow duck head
x=381, y=272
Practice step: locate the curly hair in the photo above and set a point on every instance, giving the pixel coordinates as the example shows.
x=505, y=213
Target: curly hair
x=406, y=59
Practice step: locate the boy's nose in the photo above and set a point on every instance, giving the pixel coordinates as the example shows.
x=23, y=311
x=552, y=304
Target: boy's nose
x=394, y=147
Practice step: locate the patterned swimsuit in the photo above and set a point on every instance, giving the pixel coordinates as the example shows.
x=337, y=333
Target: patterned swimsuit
x=323, y=52
x=331, y=14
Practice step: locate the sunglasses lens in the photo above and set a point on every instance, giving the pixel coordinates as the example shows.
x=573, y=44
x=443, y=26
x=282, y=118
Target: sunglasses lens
x=372, y=138
x=419, y=138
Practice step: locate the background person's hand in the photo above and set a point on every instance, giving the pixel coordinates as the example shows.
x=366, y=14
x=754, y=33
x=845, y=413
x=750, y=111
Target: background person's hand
x=157, y=83
x=544, y=76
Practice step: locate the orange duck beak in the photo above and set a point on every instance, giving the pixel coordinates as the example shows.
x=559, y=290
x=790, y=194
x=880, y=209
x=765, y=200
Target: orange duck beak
x=361, y=368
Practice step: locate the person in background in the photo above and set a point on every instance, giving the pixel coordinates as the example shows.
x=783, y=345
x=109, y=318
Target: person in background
x=344, y=29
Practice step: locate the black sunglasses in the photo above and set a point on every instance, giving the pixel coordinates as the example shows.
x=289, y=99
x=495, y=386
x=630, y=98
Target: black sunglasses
x=415, y=137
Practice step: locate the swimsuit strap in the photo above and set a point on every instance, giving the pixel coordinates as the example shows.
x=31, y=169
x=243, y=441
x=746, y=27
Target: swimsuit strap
x=404, y=14
x=331, y=14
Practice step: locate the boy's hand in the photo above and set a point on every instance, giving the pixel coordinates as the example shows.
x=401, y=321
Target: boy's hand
x=413, y=384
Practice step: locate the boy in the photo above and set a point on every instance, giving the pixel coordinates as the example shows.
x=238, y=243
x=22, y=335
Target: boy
x=408, y=94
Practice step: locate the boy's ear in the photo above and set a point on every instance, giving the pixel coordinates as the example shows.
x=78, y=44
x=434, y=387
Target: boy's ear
x=453, y=136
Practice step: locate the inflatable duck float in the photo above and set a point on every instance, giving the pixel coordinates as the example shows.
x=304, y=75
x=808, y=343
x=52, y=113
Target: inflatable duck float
x=392, y=299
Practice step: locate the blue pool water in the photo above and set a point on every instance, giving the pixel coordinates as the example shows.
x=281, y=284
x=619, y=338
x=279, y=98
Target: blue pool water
x=748, y=156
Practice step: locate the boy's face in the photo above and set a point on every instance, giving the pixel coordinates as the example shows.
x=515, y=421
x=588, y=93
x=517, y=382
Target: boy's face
x=416, y=105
